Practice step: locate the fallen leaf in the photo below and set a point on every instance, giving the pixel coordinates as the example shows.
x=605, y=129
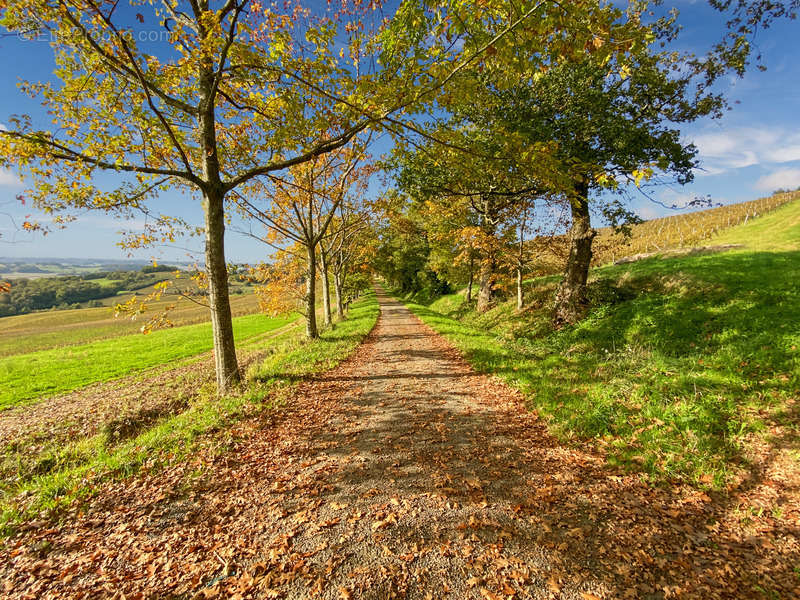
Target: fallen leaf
x=345, y=594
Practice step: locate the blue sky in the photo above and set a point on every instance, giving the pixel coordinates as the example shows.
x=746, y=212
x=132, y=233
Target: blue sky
x=753, y=150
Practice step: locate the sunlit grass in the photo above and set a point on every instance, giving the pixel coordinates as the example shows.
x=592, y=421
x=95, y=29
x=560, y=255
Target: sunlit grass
x=679, y=361
x=26, y=377
x=42, y=330
x=77, y=469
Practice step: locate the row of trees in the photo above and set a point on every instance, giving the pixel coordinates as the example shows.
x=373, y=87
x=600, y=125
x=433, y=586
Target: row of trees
x=542, y=147
x=319, y=222
x=27, y=295
x=262, y=108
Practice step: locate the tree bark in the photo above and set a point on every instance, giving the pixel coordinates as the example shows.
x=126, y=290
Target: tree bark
x=326, y=291
x=488, y=271
x=311, y=294
x=471, y=277
x=337, y=284
x=486, y=281
x=227, y=367
x=521, y=257
x=571, y=301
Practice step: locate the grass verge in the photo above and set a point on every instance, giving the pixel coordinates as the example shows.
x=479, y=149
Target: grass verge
x=678, y=366
x=79, y=468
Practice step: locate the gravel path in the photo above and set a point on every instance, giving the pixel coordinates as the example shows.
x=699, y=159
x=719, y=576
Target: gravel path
x=425, y=454
x=400, y=474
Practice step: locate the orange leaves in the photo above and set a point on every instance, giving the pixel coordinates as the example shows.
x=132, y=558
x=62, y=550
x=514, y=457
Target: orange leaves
x=473, y=483
x=136, y=241
x=594, y=44
x=5, y=287
x=487, y=595
x=131, y=308
x=553, y=585
x=201, y=279
x=281, y=286
x=328, y=523
x=388, y=519
x=31, y=226
x=345, y=594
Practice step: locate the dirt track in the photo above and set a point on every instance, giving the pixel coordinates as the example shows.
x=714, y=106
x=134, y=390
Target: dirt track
x=399, y=474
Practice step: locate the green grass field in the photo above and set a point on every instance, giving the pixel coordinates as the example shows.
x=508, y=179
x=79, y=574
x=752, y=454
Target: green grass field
x=29, y=376
x=41, y=330
x=70, y=469
x=679, y=363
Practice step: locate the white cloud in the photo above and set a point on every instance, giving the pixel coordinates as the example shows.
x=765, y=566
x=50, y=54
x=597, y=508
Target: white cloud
x=649, y=211
x=781, y=179
x=724, y=150
x=3, y=127
x=7, y=178
x=675, y=197
x=785, y=154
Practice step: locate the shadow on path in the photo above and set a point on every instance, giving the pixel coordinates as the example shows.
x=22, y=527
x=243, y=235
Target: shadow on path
x=403, y=474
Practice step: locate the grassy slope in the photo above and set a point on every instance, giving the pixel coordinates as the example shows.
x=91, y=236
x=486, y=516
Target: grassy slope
x=79, y=467
x=680, y=361
x=47, y=372
x=57, y=328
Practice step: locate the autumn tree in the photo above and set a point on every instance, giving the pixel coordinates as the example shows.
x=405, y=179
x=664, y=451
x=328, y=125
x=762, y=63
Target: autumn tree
x=746, y=18
x=403, y=249
x=280, y=283
x=298, y=208
x=598, y=120
x=462, y=154
x=346, y=249
x=470, y=184
x=238, y=90
x=600, y=114
x=206, y=111
x=610, y=126
x=454, y=238
x=523, y=228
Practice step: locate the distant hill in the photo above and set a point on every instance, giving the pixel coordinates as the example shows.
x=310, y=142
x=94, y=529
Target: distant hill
x=687, y=230
x=31, y=267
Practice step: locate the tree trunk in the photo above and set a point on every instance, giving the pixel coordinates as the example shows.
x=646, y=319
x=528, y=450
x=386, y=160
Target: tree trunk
x=486, y=281
x=487, y=275
x=326, y=291
x=521, y=257
x=471, y=278
x=337, y=284
x=311, y=294
x=571, y=302
x=343, y=280
x=227, y=367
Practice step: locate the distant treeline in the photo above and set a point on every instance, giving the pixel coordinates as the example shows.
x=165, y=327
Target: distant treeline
x=27, y=295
